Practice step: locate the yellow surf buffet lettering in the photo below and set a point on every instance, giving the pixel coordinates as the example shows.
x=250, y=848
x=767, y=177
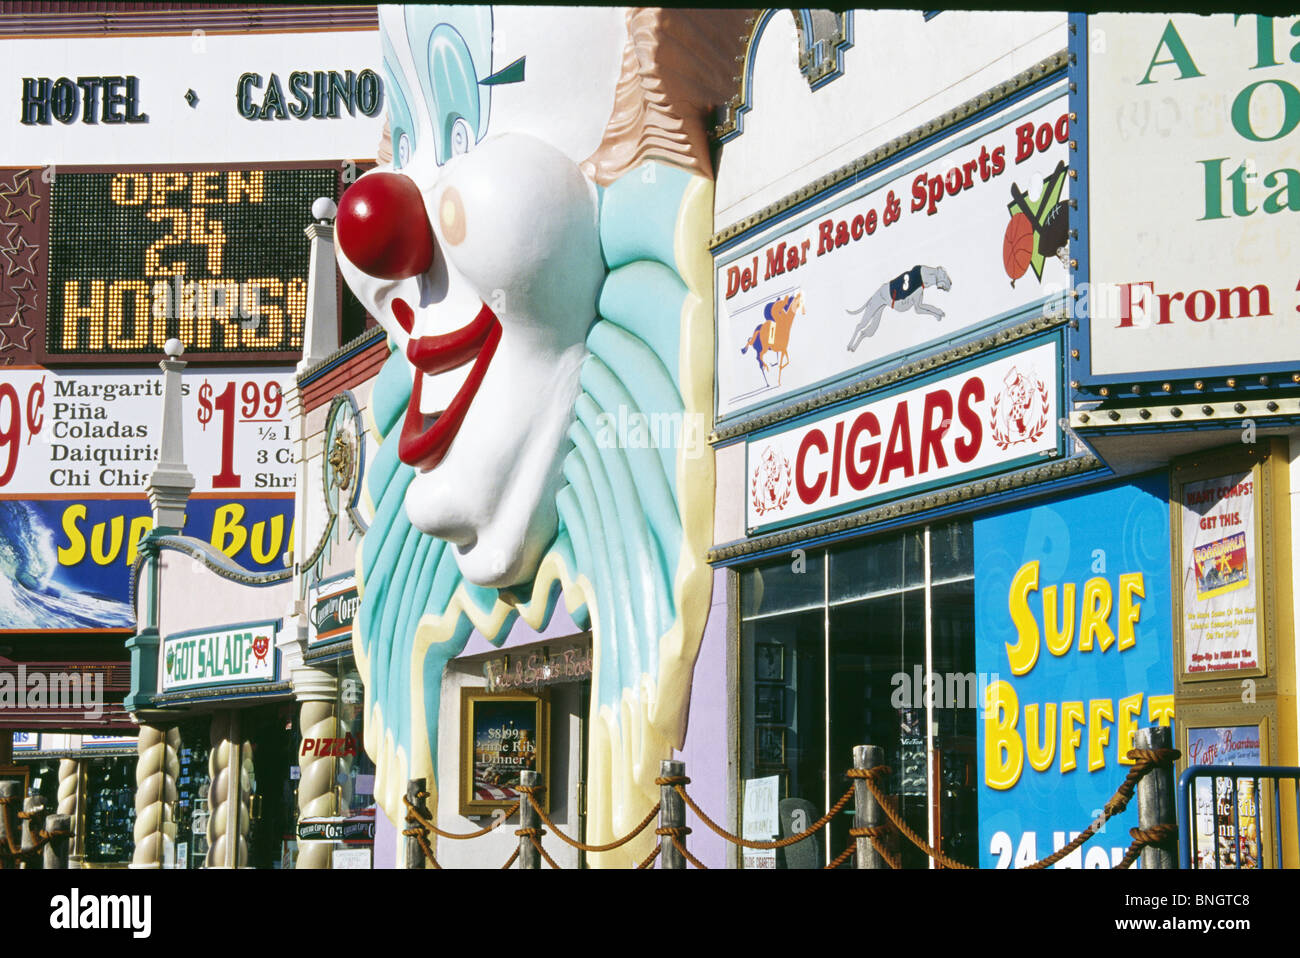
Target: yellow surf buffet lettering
x=1094, y=619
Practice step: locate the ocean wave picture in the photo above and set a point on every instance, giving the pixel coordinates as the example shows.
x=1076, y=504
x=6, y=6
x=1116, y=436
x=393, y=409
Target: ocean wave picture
x=30, y=596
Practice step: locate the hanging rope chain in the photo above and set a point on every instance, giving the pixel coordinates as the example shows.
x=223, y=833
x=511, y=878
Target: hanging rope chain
x=1144, y=762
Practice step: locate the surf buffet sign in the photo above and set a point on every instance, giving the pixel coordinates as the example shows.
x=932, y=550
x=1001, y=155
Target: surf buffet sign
x=941, y=244
x=983, y=419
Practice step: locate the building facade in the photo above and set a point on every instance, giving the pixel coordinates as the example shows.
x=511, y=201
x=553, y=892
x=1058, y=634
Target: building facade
x=479, y=456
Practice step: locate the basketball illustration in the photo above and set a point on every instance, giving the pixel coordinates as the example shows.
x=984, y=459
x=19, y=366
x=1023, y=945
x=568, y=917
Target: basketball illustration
x=1018, y=246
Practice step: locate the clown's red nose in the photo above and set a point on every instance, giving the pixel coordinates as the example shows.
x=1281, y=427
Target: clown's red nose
x=382, y=227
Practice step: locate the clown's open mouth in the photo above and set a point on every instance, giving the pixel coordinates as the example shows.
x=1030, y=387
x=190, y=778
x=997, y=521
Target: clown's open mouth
x=426, y=438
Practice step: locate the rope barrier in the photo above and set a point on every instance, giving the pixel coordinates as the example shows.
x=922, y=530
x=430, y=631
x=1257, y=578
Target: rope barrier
x=869, y=775
x=413, y=814
x=1145, y=760
x=43, y=838
x=679, y=786
x=675, y=834
x=528, y=791
x=1158, y=834
x=422, y=839
x=876, y=834
x=534, y=835
x=511, y=860
x=842, y=857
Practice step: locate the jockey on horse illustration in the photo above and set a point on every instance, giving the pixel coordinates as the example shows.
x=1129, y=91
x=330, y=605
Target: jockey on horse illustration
x=773, y=333
x=903, y=292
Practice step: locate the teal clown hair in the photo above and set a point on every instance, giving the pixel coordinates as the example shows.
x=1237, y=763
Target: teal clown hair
x=620, y=539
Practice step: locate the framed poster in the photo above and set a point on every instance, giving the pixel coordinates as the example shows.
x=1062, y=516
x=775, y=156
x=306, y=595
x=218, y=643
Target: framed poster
x=769, y=662
x=1223, y=561
x=769, y=703
x=1224, y=837
x=769, y=746
x=502, y=736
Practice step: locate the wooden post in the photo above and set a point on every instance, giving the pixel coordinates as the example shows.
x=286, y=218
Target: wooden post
x=10, y=792
x=528, y=855
x=56, y=850
x=866, y=810
x=672, y=814
x=414, y=853
x=34, y=807
x=1155, y=797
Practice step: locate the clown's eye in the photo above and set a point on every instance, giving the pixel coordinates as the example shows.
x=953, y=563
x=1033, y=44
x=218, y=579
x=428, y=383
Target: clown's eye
x=461, y=137
x=403, y=151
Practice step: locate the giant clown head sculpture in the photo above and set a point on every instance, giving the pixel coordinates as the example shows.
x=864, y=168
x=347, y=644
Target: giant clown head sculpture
x=534, y=247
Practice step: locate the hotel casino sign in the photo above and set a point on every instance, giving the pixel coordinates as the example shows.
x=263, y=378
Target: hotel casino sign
x=214, y=256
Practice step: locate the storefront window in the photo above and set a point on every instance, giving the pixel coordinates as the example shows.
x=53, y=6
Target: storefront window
x=836, y=647
x=192, y=796
x=272, y=739
x=44, y=780
x=356, y=772
x=110, y=810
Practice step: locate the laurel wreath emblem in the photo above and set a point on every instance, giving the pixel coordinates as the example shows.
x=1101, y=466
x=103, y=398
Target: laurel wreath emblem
x=1034, y=432
x=761, y=507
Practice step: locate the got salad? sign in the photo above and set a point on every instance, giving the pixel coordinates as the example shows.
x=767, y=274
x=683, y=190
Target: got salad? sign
x=235, y=654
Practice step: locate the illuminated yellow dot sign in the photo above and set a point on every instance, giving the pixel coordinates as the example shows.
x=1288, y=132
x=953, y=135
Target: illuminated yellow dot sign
x=215, y=258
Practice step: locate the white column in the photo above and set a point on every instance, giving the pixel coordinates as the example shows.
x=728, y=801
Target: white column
x=320, y=331
x=171, y=482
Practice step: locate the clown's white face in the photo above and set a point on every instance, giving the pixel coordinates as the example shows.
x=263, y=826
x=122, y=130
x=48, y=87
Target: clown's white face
x=479, y=253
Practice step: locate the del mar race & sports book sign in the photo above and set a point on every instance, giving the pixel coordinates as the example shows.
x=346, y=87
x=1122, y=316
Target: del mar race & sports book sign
x=964, y=236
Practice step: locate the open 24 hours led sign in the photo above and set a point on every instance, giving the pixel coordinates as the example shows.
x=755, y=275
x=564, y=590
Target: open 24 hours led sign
x=215, y=257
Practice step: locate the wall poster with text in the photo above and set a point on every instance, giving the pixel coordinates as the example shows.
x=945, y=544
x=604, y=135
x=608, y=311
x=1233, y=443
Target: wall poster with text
x=502, y=736
x=1231, y=564
x=1219, y=568
x=1225, y=837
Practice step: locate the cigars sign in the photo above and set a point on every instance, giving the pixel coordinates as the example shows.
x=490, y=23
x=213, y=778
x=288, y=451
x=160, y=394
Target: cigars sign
x=987, y=418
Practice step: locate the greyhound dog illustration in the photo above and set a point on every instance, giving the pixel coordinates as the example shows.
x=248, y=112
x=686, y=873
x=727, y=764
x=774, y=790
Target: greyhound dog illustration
x=773, y=333
x=903, y=292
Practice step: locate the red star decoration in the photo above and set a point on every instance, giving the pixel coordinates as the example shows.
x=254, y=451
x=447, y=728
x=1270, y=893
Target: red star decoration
x=8, y=234
x=25, y=199
x=19, y=257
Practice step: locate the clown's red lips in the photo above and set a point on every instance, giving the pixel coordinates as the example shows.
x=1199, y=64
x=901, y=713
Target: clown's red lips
x=426, y=439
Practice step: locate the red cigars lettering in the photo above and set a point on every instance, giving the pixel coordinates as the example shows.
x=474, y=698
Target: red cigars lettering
x=855, y=456
x=979, y=420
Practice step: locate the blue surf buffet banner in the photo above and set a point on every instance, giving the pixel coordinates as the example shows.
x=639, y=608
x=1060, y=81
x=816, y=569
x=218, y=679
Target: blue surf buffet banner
x=1073, y=630
x=67, y=562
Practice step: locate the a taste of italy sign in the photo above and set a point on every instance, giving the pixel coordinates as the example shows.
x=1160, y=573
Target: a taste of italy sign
x=1193, y=126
